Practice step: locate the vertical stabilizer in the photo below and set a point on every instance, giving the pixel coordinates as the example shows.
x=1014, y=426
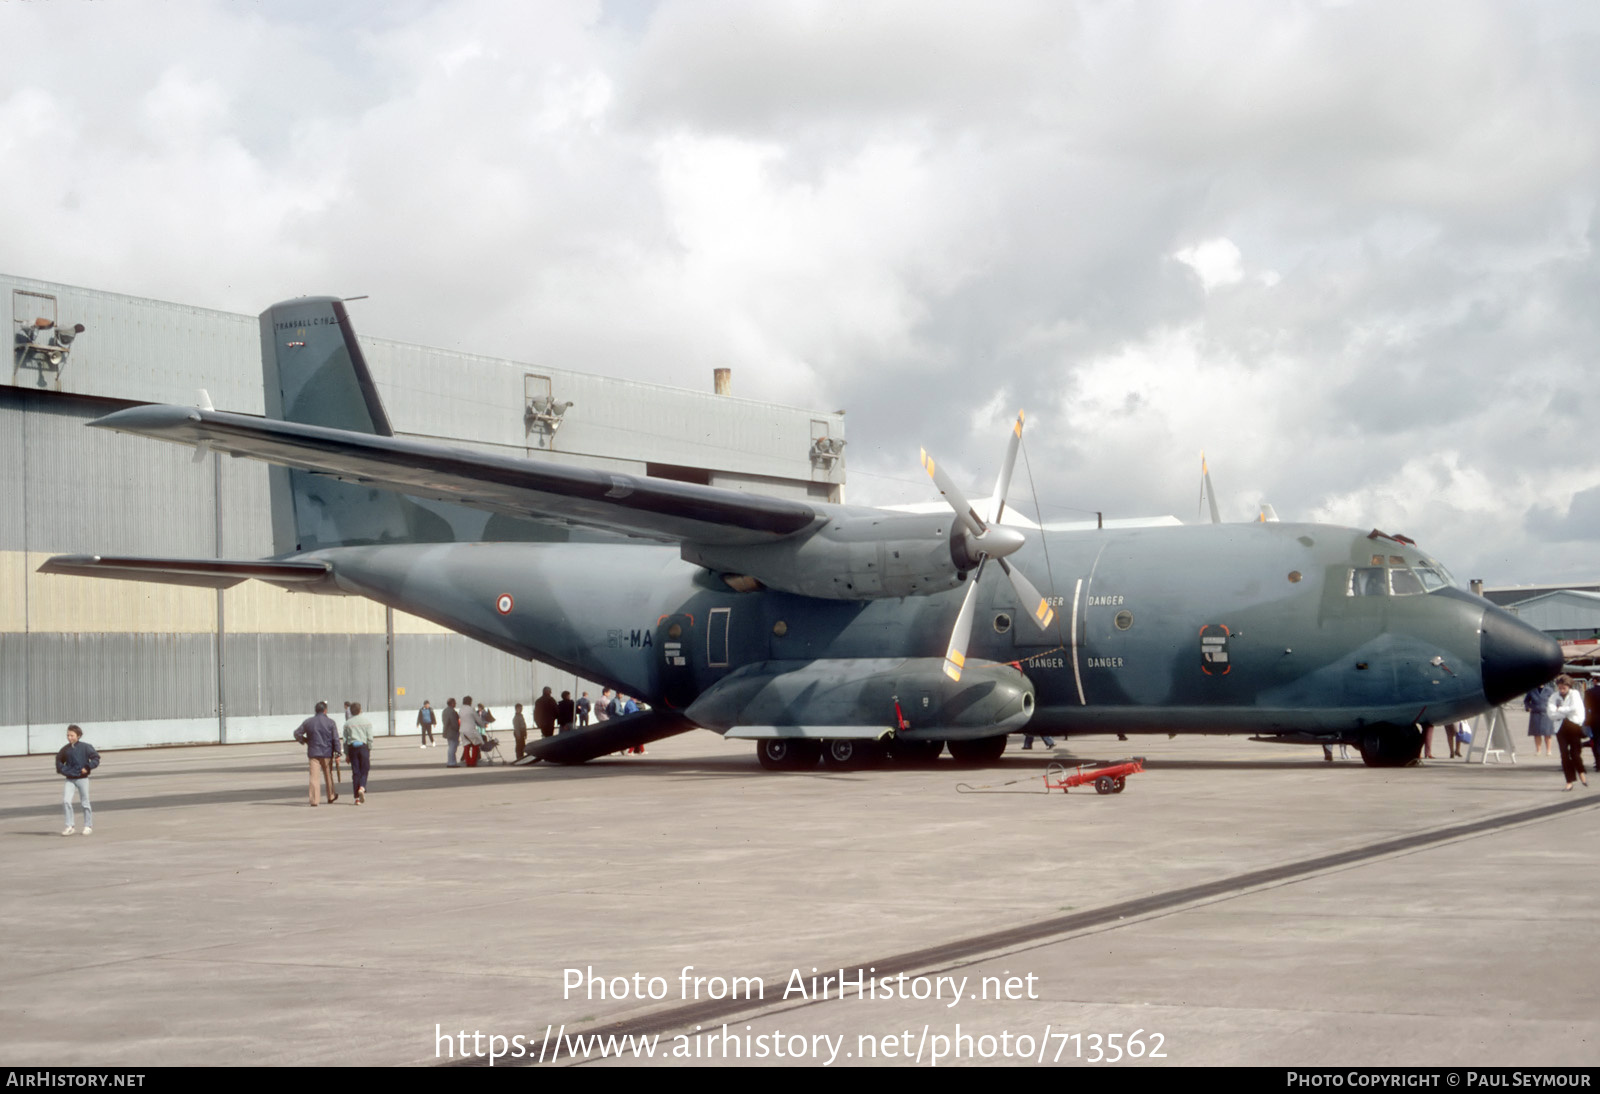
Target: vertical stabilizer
x=315, y=373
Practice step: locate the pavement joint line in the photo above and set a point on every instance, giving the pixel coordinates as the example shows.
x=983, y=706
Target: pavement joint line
x=964, y=951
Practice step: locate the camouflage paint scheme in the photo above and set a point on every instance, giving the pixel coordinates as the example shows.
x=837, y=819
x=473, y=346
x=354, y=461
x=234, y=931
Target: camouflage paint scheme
x=817, y=628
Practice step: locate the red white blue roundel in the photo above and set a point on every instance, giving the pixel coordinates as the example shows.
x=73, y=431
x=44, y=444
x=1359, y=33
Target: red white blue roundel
x=504, y=604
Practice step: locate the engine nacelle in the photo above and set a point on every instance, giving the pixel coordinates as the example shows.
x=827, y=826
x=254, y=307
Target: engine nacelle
x=831, y=697
x=853, y=557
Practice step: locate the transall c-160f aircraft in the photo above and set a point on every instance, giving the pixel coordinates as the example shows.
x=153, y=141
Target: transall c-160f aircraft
x=836, y=631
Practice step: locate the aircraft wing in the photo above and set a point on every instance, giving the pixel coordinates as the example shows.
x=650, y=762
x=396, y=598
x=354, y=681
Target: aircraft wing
x=629, y=504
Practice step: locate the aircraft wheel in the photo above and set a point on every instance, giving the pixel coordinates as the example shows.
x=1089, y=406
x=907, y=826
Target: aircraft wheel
x=773, y=753
x=1392, y=746
x=1118, y=783
x=984, y=750
x=847, y=754
x=915, y=753
x=788, y=753
x=1105, y=785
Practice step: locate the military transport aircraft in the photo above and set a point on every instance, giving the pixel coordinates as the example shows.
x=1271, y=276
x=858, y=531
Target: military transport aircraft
x=837, y=631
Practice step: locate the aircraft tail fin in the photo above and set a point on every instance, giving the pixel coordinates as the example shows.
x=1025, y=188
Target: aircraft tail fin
x=315, y=373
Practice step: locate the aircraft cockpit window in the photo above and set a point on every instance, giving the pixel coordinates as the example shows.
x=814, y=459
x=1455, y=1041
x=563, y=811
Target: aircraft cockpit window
x=1368, y=581
x=1431, y=579
x=1397, y=560
x=1438, y=568
x=1405, y=583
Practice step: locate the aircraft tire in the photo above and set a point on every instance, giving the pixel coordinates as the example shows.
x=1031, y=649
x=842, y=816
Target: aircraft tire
x=776, y=753
x=1392, y=746
x=979, y=752
x=788, y=753
x=849, y=754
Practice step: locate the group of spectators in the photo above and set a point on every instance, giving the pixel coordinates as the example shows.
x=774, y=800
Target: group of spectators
x=468, y=724
x=322, y=740
x=1569, y=713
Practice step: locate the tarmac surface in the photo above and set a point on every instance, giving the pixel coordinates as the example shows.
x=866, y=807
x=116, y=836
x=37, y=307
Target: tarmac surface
x=1240, y=903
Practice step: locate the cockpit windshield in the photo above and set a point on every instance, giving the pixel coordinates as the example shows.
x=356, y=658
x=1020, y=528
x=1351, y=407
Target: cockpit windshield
x=1398, y=575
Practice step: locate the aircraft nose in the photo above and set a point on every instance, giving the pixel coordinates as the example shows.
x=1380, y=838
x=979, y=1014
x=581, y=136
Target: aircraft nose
x=1516, y=657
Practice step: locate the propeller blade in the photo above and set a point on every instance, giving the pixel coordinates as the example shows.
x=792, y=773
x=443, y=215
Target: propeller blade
x=1205, y=488
x=955, y=657
x=1039, y=609
x=965, y=513
x=1003, y=487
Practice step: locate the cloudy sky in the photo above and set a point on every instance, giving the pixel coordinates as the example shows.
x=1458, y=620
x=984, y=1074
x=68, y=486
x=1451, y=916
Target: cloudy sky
x=1348, y=249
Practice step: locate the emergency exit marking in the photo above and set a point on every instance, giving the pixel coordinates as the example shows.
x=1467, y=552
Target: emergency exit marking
x=504, y=604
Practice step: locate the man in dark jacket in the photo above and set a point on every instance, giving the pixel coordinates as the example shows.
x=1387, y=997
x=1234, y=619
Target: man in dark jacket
x=74, y=762
x=452, y=732
x=544, y=713
x=321, y=738
x=566, y=712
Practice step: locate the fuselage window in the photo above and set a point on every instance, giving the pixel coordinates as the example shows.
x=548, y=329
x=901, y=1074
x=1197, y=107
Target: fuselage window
x=1368, y=581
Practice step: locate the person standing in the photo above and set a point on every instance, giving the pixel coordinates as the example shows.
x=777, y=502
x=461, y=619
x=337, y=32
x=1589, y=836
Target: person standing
x=544, y=713
x=1537, y=703
x=566, y=713
x=1566, y=715
x=602, y=709
x=1591, y=705
x=321, y=738
x=425, y=721
x=358, y=750
x=471, y=725
x=74, y=762
x=452, y=732
x=584, y=706
x=626, y=705
x=519, y=730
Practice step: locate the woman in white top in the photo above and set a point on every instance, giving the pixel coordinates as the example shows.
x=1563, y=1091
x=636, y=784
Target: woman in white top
x=1566, y=714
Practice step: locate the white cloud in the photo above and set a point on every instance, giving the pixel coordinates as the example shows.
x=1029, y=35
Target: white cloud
x=1216, y=262
x=1348, y=250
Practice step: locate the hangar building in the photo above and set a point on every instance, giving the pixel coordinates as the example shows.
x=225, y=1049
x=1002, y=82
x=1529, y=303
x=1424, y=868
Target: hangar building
x=142, y=664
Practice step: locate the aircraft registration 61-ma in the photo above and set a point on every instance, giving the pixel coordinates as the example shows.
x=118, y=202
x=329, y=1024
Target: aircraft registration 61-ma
x=834, y=631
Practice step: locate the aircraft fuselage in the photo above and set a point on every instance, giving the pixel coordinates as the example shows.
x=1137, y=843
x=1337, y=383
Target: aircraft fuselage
x=1249, y=628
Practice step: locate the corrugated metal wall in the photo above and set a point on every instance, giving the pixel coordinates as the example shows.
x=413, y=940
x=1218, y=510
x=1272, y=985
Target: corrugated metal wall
x=139, y=664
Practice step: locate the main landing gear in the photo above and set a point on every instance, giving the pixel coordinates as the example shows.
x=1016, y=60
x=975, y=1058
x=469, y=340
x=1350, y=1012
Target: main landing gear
x=1390, y=746
x=853, y=754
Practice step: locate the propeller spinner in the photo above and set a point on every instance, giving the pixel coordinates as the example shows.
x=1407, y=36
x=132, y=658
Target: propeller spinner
x=984, y=540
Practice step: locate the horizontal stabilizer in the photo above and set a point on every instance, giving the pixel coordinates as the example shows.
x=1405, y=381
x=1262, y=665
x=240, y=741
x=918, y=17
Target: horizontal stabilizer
x=613, y=735
x=208, y=573
x=636, y=505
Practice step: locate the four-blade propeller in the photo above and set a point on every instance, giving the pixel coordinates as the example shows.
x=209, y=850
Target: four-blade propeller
x=983, y=540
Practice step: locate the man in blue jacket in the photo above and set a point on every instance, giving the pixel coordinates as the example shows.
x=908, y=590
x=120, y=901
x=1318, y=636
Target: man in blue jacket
x=321, y=738
x=74, y=762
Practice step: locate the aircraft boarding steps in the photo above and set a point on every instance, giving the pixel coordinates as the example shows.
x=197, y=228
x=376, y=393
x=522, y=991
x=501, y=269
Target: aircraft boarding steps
x=613, y=735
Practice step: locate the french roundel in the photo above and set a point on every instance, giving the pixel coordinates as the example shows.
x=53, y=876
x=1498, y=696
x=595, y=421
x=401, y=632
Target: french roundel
x=504, y=604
